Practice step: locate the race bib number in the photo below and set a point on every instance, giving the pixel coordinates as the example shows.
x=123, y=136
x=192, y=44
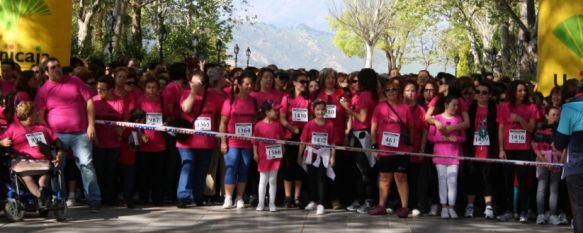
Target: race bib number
x=330, y=111
x=273, y=152
x=202, y=124
x=299, y=114
x=154, y=118
x=481, y=141
x=243, y=129
x=320, y=138
x=34, y=138
x=391, y=139
x=517, y=136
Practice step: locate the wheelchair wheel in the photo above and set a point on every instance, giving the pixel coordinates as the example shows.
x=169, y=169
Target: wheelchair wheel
x=14, y=210
x=61, y=213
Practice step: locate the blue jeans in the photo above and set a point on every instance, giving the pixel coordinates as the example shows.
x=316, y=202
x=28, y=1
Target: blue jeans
x=237, y=161
x=81, y=146
x=195, y=165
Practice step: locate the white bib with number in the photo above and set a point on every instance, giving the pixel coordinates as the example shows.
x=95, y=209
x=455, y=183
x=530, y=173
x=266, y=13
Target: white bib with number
x=243, y=129
x=300, y=114
x=517, y=136
x=391, y=139
x=34, y=138
x=320, y=138
x=330, y=111
x=154, y=118
x=273, y=152
x=481, y=141
x=202, y=124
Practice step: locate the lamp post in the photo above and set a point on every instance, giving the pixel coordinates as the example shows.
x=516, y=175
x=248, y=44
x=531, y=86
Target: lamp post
x=236, y=50
x=493, y=54
x=519, y=53
x=194, y=42
x=110, y=29
x=456, y=60
x=163, y=36
x=248, y=53
x=470, y=61
x=219, y=48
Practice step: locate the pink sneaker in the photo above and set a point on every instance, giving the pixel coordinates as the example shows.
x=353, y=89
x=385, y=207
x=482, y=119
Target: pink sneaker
x=403, y=213
x=378, y=210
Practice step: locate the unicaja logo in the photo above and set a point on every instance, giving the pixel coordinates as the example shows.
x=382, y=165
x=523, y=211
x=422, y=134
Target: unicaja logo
x=569, y=33
x=12, y=10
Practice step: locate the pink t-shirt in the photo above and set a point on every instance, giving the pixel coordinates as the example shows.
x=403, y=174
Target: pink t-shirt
x=389, y=127
x=7, y=86
x=335, y=114
x=153, y=116
x=481, y=119
x=418, y=116
x=362, y=100
x=274, y=96
x=65, y=103
x=297, y=110
x=241, y=115
x=171, y=94
x=324, y=133
x=206, y=120
x=111, y=110
x=462, y=105
x=130, y=100
x=442, y=147
x=520, y=138
x=267, y=130
x=24, y=139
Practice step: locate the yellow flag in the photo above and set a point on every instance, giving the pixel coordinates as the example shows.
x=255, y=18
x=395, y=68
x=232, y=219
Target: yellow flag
x=560, y=42
x=33, y=29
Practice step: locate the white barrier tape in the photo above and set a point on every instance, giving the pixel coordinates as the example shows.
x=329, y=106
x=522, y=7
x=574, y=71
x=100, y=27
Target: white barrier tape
x=170, y=129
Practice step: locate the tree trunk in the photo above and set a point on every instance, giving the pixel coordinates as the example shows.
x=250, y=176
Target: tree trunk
x=86, y=13
x=119, y=11
x=505, y=49
x=136, y=23
x=369, y=51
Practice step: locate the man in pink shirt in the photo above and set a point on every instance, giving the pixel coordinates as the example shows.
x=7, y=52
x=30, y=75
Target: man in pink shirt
x=65, y=102
x=9, y=74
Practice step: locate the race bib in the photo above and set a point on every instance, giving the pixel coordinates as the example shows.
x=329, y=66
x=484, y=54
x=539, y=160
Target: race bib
x=243, y=129
x=390, y=139
x=320, y=138
x=299, y=114
x=481, y=141
x=202, y=124
x=517, y=136
x=273, y=152
x=154, y=118
x=34, y=138
x=330, y=111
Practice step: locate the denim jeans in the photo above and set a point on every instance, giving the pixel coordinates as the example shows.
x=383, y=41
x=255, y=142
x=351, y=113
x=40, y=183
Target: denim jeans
x=195, y=165
x=81, y=146
x=237, y=161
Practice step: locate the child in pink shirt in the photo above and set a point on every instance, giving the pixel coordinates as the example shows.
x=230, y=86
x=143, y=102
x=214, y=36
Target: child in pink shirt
x=449, y=144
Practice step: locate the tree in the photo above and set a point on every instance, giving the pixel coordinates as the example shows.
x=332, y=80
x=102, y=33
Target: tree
x=367, y=19
x=86, y=10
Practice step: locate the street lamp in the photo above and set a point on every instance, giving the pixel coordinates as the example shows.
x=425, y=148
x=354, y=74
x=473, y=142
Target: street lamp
x=493, y=54
x=110, y=29
x=519, y=53
x=236, y=50
x=219, y=48
x=456, y=60
x=194, y=41
x=248, y=53
x=163, y=36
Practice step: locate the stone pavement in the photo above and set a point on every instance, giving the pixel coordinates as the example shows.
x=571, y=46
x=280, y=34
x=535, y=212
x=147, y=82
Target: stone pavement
x=215, y=219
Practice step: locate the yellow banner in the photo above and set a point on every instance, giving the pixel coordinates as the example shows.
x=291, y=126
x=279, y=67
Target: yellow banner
x=560, y=42
x=33, y=29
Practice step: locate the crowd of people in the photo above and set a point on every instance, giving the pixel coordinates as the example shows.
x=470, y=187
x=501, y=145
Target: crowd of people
x=471, y=116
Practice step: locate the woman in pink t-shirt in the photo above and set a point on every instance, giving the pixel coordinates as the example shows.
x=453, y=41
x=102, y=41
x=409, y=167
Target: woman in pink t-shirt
x=448, y=144
x=448, y=87
x=265, y=88
x=293, y=115
x=107, y=145
x=150, y=155
x=238, y=116
x=23, y=136
x=26, y=87
x=390, y=119
x=360, y=108
x=516, y=123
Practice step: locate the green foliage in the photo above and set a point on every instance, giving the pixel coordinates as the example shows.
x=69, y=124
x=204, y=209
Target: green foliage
x=346, y=40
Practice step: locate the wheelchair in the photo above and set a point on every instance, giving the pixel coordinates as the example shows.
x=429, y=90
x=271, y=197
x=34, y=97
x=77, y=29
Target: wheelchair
x=18, y=199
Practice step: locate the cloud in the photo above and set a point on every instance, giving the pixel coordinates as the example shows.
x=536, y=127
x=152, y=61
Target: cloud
x=292, y=12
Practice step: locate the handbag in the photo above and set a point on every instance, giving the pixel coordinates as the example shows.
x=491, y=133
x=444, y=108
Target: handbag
x=404, y=130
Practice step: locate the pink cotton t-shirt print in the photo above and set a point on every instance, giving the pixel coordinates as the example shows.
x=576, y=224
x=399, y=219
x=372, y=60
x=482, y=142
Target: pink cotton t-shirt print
x=515, y=136
x=271, y=130
x=335, y=114
x=362, y=100
x=389, y=129
x=241, y=115
x=206, y=120
x=442, y=147
x=110, y=110
x=24, y=140
x=297, y=110
x=154, y=116
x=273, y=96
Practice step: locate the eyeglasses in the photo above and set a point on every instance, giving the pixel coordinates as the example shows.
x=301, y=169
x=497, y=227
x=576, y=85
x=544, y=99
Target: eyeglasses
x=482, y=92
x=304, y=82
x=353, y=81
x=391, y=89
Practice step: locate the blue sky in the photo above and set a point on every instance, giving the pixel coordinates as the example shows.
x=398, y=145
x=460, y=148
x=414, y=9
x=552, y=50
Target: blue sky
x=292, y=12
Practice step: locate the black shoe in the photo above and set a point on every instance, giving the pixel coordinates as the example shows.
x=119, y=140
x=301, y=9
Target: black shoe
x=289, y=203
x=181, y=204
x=253, y=200
x=130, y=204
x=94, y=209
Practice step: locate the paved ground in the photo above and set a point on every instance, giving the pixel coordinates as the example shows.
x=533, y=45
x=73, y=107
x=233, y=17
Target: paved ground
x=214, y=219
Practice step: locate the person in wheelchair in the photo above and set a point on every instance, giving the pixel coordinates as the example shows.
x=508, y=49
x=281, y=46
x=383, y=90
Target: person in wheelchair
x=32, y=141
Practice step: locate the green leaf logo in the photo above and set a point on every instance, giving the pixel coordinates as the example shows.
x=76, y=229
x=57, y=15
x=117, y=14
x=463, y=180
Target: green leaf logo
x=570, y=32
x=12, y=10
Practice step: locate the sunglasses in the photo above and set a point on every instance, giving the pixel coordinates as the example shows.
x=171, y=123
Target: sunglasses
x=304, y=82
x=391, y=89
x=482, y=92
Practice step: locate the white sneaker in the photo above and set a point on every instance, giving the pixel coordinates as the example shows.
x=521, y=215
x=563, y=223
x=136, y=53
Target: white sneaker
x=354, y=206
x=434, y=209
x=489, y=212
x=452, y=213
x=364, y=209
x=320, y=210
x=228, y=204
x=240, y=203
x=540, y=219
x=554, y=219
x=390, y=211
x=71, y=202
x=260, y=207
x=311, y=206
x=415, y=213
x=272, y=207
x=563, y=218
x=444, y=213
x=523, y=218
x=469, y=211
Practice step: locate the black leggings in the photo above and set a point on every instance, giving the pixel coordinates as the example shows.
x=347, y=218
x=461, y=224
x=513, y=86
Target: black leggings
x=318, y=183
x=365, y=174
x=150, y=176
x=522, y=175
x=290, y=169
x=478, y=178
